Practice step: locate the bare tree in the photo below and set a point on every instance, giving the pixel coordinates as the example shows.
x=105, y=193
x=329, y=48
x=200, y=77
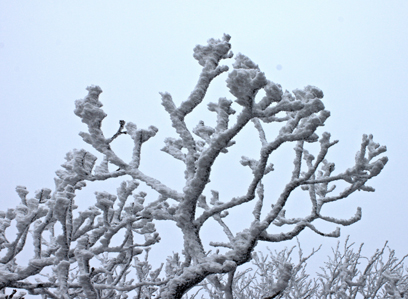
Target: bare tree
x=347, y=274
x=65, y=241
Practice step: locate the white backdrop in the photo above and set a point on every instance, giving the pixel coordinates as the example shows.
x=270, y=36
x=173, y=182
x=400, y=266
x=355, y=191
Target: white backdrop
x=355, y=51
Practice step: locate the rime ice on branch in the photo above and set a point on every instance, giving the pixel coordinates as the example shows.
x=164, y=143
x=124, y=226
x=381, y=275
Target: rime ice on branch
x=86, y=236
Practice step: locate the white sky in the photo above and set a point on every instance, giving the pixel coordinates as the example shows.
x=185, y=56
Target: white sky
x=355, y=51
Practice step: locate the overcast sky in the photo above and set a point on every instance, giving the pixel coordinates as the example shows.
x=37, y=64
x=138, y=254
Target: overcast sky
x=355, y=51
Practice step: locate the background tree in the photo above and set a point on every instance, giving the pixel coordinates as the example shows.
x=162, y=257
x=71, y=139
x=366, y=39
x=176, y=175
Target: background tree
x=347, y=274
x=67, y=243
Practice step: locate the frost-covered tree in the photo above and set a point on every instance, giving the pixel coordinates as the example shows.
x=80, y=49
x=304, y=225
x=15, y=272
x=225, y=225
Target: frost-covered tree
x=347, y=274
x=74, y=256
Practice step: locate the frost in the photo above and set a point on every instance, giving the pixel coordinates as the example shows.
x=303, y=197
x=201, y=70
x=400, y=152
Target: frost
x=214, y=51
x=245, y=80
x=104, y=200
